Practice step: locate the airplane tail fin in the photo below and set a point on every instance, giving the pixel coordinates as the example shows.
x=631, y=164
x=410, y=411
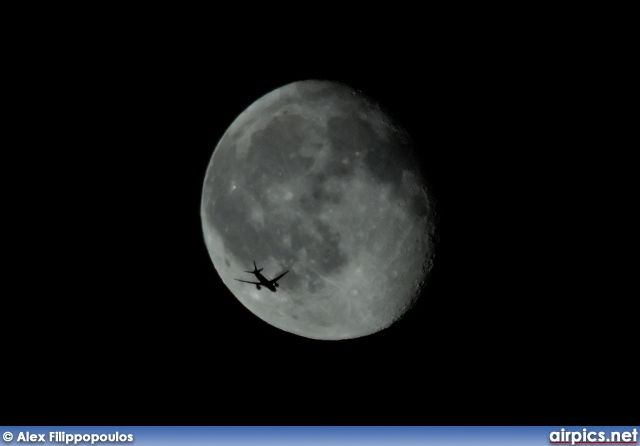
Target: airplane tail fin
x=255, y=269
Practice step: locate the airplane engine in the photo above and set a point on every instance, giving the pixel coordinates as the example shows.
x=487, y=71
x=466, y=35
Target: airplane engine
x=276, y=285
x=258, y=287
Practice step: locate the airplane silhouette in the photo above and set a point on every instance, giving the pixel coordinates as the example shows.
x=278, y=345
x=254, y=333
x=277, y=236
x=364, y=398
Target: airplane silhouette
x=269, y=284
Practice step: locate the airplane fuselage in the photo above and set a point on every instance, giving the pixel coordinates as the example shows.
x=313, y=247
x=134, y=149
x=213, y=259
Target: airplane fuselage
x=264, y=282
x=261, y=278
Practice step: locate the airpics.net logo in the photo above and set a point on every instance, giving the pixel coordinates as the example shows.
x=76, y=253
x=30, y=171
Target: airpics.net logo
x=586, y=436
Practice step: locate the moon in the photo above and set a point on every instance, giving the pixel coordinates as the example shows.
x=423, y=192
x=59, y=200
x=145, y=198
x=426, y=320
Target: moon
x=318, y=179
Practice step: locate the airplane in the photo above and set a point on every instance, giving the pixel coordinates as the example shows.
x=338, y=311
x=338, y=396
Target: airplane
x=269, y=284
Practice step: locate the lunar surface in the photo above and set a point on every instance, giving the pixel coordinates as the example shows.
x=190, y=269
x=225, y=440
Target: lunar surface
x=316, y=178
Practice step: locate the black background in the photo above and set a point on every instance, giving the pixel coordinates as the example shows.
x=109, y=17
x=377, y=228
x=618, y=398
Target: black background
x=120, y=304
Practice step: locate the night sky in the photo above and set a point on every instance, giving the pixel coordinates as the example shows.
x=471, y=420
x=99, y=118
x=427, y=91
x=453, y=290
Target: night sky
x=127, y=300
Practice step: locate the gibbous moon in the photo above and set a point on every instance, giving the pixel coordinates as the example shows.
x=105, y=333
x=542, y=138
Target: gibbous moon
x=316, y=178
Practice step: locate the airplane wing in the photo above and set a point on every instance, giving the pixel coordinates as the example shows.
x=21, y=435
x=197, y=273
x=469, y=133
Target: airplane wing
x=246, y=281
x=276, y=279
